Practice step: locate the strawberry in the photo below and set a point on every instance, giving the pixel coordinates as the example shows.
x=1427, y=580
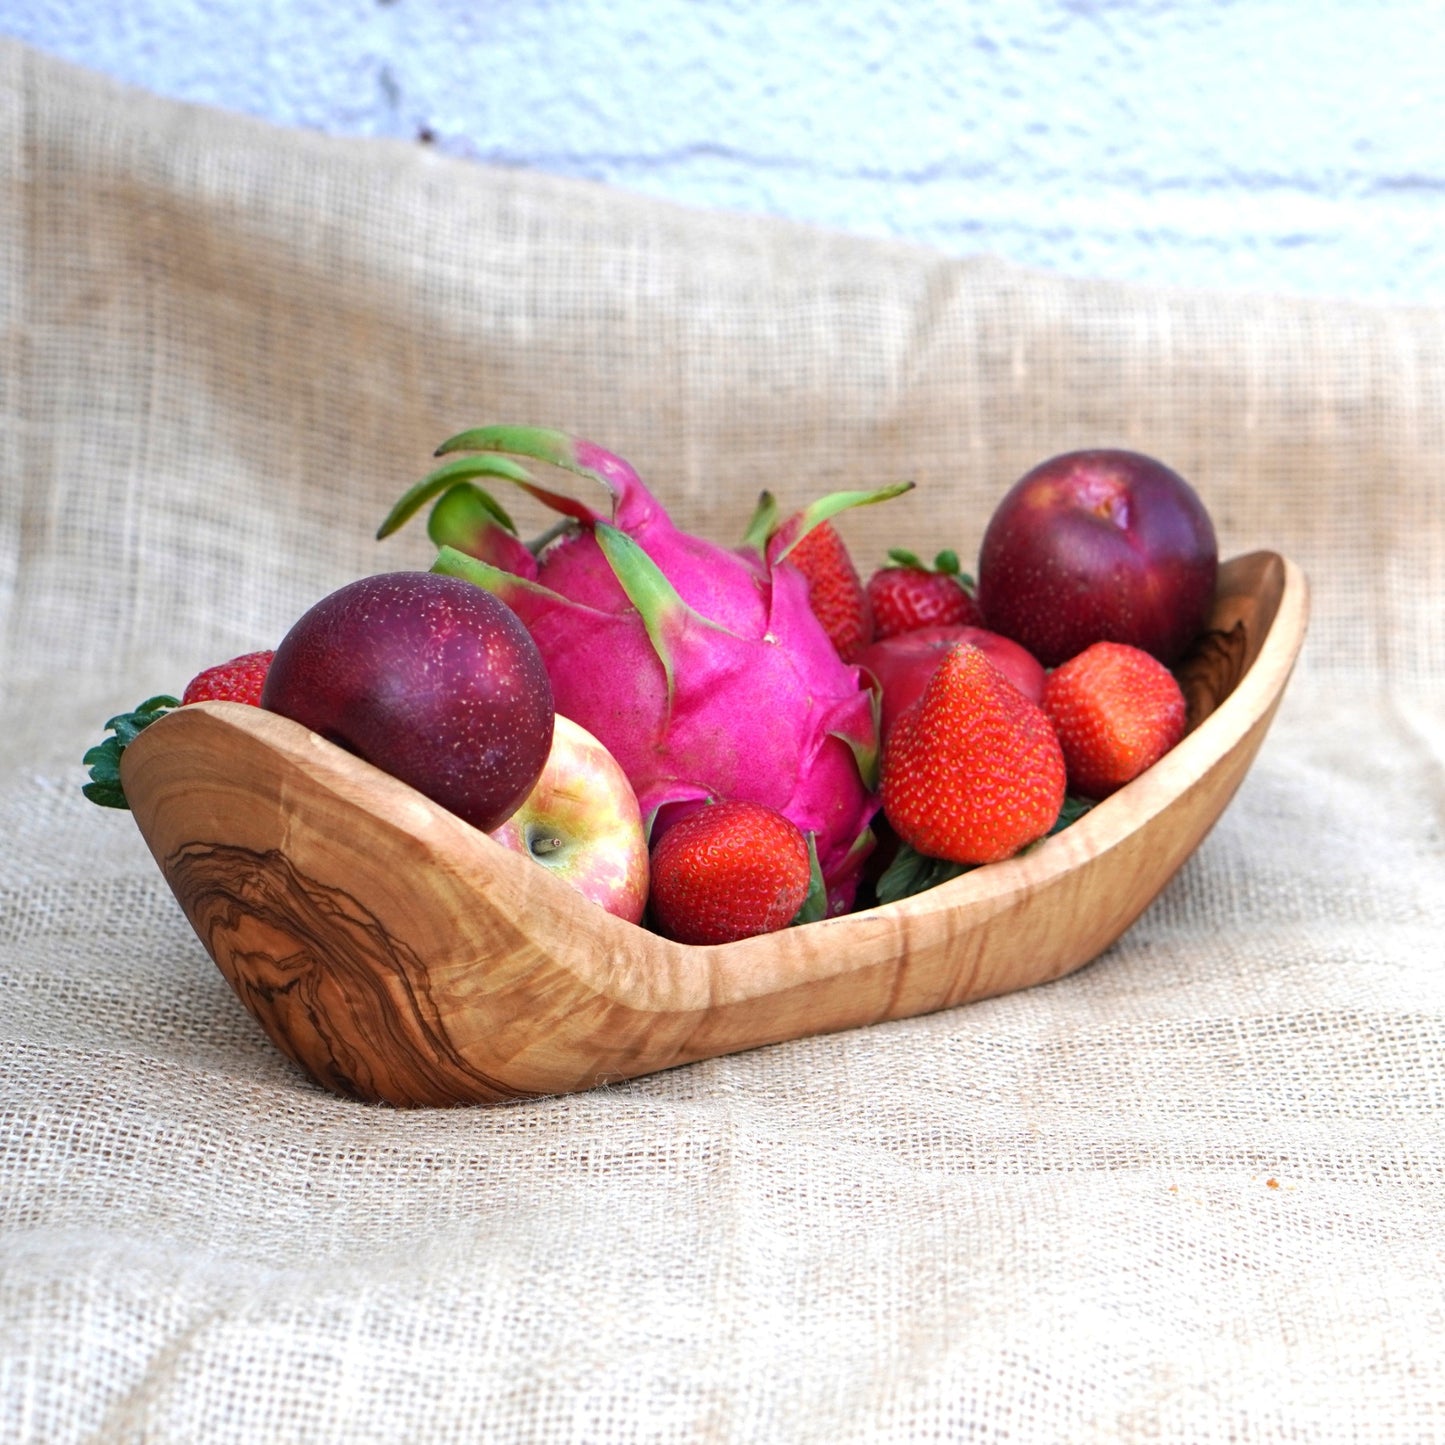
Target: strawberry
x=909, y=595
x=728, y=871
x=835, y=590
x=809, y=541
x=972, y=771
x=239, y=680
x=1117, y=710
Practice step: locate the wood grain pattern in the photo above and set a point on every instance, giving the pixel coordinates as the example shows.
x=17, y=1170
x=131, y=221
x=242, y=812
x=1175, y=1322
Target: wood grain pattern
x=398, y=955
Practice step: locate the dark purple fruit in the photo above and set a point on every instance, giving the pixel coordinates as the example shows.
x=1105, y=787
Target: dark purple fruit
x=1097, y=546
x=430, y=679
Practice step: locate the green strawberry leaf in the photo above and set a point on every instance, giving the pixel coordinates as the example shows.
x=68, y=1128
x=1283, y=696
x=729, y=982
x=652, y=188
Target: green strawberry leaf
x=1074, y=808
x=945, y=564
x=815, y=905
x=913, y=872
x=103, y=760
x=902, y=557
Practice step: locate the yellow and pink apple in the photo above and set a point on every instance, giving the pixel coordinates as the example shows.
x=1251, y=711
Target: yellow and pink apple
x=582, y=821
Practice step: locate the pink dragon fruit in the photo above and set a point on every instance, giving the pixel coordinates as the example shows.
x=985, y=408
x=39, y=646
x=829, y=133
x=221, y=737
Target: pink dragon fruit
x=702, y=668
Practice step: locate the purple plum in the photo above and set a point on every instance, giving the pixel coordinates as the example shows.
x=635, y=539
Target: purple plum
x=1094, y=546
x=430, y=679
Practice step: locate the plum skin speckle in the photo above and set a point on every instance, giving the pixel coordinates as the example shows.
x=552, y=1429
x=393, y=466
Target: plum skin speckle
x=429, y=678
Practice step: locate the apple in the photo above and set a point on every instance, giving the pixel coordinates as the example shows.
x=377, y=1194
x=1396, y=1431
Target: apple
x=904, y=663
x=1094, y=546
x=429, y=678
x=582, y=821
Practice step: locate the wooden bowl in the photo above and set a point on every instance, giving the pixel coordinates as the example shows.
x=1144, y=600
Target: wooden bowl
x=399, y=955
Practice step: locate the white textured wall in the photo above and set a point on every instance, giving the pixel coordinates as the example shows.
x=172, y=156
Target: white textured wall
x=1294, y=145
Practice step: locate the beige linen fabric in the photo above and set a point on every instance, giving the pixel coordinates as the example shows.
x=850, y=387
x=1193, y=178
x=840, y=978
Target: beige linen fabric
x=1194, y=1193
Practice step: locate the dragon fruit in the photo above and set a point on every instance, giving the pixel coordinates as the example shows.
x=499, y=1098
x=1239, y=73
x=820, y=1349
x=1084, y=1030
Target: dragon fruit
x=701, y=668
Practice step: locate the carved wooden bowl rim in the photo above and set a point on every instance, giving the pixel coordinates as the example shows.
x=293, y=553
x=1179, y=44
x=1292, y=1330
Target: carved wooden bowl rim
x=399, y=955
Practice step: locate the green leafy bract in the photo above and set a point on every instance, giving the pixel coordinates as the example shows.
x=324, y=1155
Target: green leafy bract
x=913, y=872
x=103, y=759
x=815, y=905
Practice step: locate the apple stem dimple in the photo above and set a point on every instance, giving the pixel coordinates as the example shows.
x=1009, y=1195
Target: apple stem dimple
x=543, y=843
x=1107, y=500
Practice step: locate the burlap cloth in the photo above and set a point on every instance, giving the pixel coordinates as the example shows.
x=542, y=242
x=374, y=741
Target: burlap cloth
x=1195, y=1192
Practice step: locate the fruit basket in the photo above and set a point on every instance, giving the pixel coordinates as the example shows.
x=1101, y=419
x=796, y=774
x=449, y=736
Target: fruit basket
x=398, y=955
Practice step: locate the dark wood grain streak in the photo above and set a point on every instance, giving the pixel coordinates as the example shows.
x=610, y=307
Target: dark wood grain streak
x=1211, y=671
x=336, y=992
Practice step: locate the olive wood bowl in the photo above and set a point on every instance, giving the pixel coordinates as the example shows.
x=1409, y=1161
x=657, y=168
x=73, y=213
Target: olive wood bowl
x=399, y=955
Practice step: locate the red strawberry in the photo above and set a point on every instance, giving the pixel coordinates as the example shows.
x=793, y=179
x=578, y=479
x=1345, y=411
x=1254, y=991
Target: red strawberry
x=238, y=680
x=972, y=771
x=1117, y=711
x=835, y=590
x=909, y=595
x=728, y=871
x=903, y=665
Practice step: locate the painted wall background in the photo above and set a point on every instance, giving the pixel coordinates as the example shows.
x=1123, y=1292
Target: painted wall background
x=1285, y=145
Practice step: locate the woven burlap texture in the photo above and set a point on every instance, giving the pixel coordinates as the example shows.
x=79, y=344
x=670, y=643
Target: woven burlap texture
x=1195, y=1192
